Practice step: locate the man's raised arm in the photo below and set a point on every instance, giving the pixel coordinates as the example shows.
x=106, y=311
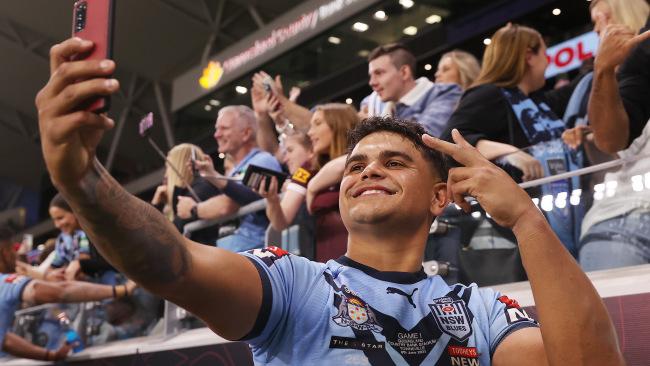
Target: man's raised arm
x=607, y=116
x=575, y=326
x=129, y=233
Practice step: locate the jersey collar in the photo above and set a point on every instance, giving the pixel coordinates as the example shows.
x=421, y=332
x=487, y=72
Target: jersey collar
x=404, y=278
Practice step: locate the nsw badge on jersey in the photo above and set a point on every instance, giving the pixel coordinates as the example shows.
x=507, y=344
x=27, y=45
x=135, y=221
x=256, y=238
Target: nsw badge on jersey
x=355, y=313
x=452, y=317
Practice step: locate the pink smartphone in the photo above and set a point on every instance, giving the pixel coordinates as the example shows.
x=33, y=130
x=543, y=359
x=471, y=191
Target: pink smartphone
x=93, y=20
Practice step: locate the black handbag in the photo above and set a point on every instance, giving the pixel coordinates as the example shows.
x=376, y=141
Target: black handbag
x=485, y=267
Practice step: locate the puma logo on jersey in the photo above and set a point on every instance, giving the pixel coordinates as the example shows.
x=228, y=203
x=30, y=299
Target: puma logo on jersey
x=393, y=290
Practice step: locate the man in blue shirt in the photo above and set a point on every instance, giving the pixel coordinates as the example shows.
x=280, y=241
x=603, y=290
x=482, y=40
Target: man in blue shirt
x=397, y=93
x=235, y=131
x=16, y=289
x=373, y=306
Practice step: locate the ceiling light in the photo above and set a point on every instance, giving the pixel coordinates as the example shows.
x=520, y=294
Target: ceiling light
x=360, y=27
x=214, y=102
x=406, y=3
x=557, y=11
x=348, y=101
x=363, y=53
x=207, y=108
x=380, y=15
x=427, y=67
x=334, y=40
x=410, y=30
x=241, y=89
x=434, y=18
x=487, y=41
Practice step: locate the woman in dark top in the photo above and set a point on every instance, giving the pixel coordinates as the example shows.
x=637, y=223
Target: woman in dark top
x=509, y=120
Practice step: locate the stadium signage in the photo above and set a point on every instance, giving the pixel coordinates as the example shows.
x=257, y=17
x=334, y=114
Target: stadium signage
x=570, y=54
x=297, y=26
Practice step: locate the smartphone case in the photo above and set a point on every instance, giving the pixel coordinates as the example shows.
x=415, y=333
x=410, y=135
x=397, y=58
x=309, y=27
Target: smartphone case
x=93, y=20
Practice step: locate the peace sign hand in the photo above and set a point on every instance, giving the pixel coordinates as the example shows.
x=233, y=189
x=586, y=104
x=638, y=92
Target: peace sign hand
x=497, y=193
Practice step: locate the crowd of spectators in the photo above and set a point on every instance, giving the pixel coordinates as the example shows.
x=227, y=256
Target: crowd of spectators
x=501, y=106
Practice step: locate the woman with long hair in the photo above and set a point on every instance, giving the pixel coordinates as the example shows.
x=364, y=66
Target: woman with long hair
x=319, y=180
x=74, y=255
x=510, y=120
x=181, y=179
x=458, y=67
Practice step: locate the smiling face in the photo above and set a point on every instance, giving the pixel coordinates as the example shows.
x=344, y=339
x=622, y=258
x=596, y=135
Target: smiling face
x=229, y=134
x=320, y=134
x=387, y=181
x=63, y=220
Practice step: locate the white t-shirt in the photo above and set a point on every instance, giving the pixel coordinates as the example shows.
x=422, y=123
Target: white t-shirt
x=626, y=198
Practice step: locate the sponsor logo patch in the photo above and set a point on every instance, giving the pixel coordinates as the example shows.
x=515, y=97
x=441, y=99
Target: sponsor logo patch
x=452, y=317
x=470, y=352
x=464, y=361
x=12, y=278
x=352, y=343
x=514, y=312
x=269, y=255
x=302, y=175
x=355, y=313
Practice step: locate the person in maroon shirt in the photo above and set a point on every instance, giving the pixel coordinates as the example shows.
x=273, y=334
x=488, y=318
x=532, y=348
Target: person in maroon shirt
x=320, y=180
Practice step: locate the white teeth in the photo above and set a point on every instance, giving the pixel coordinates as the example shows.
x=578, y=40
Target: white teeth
x=373, y=191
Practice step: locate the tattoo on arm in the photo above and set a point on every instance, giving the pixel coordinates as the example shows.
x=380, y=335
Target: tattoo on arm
x=130, y=233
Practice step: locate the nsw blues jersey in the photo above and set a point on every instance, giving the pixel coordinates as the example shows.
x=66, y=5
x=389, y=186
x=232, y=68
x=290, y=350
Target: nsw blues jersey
x=11, y=290
x=345, y=313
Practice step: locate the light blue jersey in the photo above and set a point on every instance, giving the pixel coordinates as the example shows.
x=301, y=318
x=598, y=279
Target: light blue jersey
x=345, y=313
x=11, y=292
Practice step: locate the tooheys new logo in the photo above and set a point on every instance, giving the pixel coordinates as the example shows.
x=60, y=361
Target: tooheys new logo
x=451, y=317
x=463, y=356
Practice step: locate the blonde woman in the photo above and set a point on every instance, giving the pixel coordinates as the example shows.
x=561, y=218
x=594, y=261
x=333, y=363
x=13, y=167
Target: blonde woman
x=178, y=176
x=458, y=67
x=177, y=162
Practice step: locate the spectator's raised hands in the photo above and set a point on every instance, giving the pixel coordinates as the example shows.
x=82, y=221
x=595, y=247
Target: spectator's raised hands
x=70, y=136
x=616, y=43
x=259, y=96
x=497, y=193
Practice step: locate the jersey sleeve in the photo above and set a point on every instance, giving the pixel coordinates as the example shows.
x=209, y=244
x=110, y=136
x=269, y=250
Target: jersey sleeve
x=11, y=292
x=505, y=316
x=286, y=281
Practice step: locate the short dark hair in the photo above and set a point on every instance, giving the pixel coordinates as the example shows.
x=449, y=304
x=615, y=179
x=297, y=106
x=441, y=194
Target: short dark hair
x=399, y=55
x=60, y=202
x=410, y=130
